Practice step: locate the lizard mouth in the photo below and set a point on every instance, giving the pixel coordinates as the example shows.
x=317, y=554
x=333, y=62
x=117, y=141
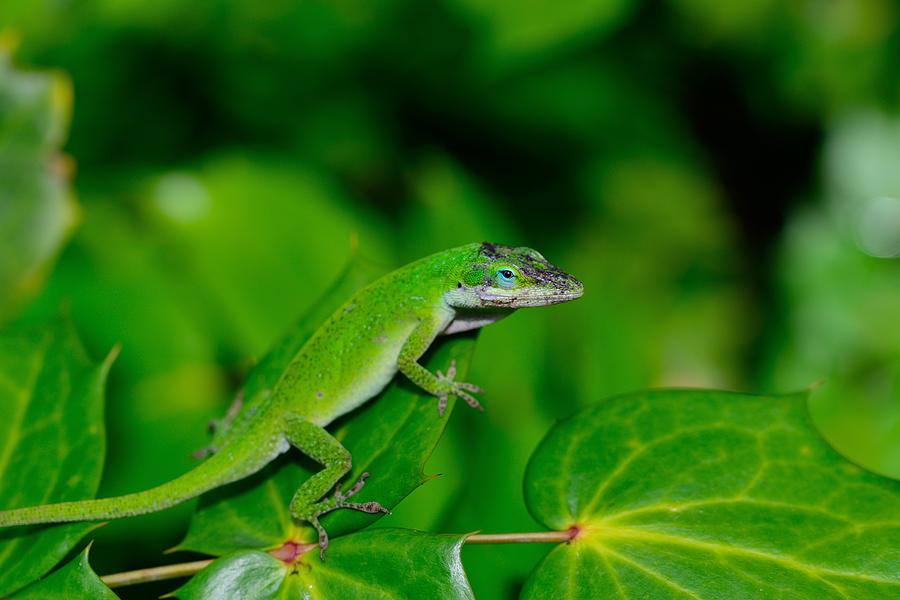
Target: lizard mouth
x=528, y=298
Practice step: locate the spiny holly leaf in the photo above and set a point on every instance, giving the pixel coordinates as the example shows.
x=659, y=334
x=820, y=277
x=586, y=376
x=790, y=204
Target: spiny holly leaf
x=51, y=442
x=378, y=563
x=391, y=438
x=36, y=209
x=700, y=494
x=75, y=581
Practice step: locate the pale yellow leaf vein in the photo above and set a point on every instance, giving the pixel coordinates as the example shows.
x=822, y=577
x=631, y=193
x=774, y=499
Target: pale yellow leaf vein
x=272, y=492
x=653, y=574
x=675, y=508
x=637, y=453
x=612, y=573
x=811, y=570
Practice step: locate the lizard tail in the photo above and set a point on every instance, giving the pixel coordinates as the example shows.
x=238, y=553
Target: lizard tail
x=100, y=509
x=216, y=471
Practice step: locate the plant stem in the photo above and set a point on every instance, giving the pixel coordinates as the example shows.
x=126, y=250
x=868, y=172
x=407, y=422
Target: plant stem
x=155, y=573
x=520, y=538
x=190, y=568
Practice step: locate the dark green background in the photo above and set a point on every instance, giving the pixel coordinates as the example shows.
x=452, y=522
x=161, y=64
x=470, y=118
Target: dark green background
x=722, y=176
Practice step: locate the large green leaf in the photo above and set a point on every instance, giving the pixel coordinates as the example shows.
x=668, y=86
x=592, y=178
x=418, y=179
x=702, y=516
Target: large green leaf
x=379, y=563
x=36, y=209
x=699, y=494
x=75, y=581
x=51, y=442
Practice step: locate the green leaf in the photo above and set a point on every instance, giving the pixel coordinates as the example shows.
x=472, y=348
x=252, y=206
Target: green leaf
x=204, y=534
x=357, y=274
x=701, y=494
x=51, y=442
x=379, y=563
x=74, y=581
x=391, y=438
x=36, y=208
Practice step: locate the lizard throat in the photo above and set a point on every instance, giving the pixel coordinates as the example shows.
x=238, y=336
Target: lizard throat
x=466, y=321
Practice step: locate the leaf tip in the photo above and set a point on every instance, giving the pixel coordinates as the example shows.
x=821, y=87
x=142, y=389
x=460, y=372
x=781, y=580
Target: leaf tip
x=815, y=385
x=111, y=356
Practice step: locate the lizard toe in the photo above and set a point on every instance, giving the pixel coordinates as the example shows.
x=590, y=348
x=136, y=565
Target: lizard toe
x=470, y=400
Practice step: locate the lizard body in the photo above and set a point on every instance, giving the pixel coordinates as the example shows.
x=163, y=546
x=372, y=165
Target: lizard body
x=383, y=328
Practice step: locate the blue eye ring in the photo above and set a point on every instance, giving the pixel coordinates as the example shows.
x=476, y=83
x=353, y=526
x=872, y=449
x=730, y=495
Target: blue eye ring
x=506, y=278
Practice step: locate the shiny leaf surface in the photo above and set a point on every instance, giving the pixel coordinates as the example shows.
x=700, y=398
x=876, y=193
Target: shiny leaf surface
x=380, y=563
x=51, y=442
x=75, y=581
x=699, y=494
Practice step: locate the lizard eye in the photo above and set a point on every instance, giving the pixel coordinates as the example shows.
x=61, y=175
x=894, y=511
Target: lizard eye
x=506, y=278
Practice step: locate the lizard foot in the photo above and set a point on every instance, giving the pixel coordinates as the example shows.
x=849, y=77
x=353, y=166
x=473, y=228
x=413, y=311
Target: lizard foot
x=339, y=500
x=459, y=389
x=216, y=427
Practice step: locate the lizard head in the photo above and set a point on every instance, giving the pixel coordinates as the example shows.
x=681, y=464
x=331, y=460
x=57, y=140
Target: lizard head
x=509, y=277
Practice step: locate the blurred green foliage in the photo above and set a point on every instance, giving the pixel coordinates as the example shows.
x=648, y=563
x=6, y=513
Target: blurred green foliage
x=36, y=210
x=722, y=176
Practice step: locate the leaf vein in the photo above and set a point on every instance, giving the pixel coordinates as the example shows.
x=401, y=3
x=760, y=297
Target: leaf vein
x=622, y=467
x=667, y=582
x=715, y=547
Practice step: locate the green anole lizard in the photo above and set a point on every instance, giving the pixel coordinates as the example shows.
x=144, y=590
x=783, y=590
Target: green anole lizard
x=384, y=328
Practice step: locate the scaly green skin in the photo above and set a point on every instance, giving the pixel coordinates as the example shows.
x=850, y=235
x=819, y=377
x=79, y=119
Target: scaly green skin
x=382, y=329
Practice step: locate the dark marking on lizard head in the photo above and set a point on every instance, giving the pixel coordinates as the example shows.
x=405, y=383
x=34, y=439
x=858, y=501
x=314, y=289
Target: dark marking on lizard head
x=512, y=277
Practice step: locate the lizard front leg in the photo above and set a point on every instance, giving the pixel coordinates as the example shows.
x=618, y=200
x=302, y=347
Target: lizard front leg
x=307, y=503
x=439, y=384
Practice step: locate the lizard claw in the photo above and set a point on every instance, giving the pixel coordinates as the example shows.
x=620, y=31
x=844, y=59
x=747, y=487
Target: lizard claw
x=338, y=500
x=470, y=400
x=368, y=507
x=469, y=387
x=442, y=404
x=451, y=370
x=323, y=537
x=460, y=389
x=352, y=491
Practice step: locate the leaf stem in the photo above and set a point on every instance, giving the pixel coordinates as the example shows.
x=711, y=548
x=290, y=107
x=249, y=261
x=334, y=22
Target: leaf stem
x=190, y=568
x=521, y=538
x=155, y=573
